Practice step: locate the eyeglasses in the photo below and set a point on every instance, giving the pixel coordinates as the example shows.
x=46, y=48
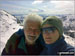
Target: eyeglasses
x=48, y=29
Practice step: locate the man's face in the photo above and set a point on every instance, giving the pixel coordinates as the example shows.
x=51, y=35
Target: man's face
x=32, y=31
x=50, y=34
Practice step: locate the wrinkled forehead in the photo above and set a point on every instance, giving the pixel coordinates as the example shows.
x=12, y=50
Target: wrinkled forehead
x=33, y=24
x=32, y=21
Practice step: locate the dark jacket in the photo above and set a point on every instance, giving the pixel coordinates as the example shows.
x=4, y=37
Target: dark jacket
x=16, y=45
x=59, y=47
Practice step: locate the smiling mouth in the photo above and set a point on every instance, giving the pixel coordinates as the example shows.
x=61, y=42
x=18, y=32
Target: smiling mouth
x=32, y=37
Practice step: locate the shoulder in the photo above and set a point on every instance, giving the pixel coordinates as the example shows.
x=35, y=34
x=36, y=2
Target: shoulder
x=67, y=48
x=15, y=37
x=70, y=48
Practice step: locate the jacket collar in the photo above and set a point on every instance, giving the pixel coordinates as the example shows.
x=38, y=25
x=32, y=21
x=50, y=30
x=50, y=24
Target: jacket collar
x=22, y=44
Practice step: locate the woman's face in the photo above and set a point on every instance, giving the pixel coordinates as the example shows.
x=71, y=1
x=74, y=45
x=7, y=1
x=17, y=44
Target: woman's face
x=50, y=34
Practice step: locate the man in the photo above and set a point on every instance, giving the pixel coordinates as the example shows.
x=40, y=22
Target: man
x=26, y=41
x=52, y=30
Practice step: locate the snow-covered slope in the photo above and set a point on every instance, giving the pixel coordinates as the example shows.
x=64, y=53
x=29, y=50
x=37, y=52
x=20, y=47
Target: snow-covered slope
x=8, y=26
x=70, y=40
x=69, y=25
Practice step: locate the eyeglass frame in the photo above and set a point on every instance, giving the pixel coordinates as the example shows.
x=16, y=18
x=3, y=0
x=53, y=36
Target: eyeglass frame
x=48, y=29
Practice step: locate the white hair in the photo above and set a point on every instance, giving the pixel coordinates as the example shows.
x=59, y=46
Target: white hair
x=32, y=17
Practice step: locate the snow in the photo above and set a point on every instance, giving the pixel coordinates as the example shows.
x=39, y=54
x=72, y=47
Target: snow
x=8, y=26
x=70, y=40
x=70, y=21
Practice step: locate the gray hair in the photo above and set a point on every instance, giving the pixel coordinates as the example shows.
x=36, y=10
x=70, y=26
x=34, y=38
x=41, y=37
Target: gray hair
x=32, y=17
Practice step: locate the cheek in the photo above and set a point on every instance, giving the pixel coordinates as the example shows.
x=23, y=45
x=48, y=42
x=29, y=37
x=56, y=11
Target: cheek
x=55, y=36
x=25, y=33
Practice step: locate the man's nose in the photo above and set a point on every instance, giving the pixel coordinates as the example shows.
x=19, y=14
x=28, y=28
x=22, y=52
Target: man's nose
x=33, y=32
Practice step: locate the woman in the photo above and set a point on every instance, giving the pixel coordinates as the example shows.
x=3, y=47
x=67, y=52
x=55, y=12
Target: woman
x=52, y=30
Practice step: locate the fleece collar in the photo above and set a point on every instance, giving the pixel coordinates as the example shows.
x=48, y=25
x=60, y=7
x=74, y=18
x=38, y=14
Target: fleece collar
x=22, y=44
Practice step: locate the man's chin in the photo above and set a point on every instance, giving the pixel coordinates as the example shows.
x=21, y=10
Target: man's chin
x=31, y=41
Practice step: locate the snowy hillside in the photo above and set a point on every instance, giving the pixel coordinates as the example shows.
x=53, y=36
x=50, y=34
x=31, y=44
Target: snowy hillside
x=69, y=28
x=8, y=26
x=69, y=22
x=69, y=25
x=70, y=40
